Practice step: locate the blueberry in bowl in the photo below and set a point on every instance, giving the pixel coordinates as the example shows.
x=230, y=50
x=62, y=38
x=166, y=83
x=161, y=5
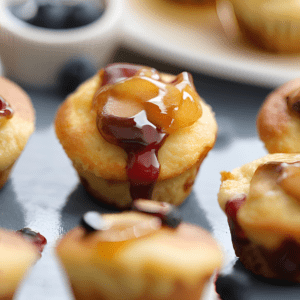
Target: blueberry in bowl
x=58, y=15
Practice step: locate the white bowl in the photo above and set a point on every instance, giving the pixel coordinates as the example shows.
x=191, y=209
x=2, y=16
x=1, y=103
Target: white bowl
x=34, y=56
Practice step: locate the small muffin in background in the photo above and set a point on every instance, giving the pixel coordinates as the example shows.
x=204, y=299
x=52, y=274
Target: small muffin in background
x=18, y=252
x=262, y=202
x=278, y=120
x=272, y=25
x=132, y=132
x=147, y=253
x=17, y=123
x=192, y=2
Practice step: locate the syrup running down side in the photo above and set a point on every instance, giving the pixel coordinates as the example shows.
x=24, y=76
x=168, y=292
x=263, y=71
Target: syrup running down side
x=136, y=110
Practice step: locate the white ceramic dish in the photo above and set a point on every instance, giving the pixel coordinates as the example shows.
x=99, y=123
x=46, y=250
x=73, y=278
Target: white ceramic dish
x=190, y=37
x=193, y=37
x=33, y=55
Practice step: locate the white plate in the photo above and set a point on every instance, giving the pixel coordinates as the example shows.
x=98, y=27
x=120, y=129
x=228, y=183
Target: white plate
x=194, y=38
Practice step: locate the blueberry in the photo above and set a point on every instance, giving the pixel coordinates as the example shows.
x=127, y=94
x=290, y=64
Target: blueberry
x=93, y=221
x=82, y=14
x=233, y=286
x=50, y=16
x=74, y=73
x=28, y=232
x=26, y=10
x=172, y=218
x=234, y=282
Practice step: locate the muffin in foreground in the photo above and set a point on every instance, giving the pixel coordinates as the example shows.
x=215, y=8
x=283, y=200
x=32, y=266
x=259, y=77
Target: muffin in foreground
x=17, y=121
x=132, y=132
x=271, y=25
x=262, y=202
x=143, y=254
x=18, y=252
x=278, y=121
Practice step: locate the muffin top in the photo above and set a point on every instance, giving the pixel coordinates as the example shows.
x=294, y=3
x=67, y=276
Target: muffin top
x=76, y=127
x=271, y=211
x=17, y=255
x=136, y=245
x=270, y=9
x=278, y=121
x=16, y=127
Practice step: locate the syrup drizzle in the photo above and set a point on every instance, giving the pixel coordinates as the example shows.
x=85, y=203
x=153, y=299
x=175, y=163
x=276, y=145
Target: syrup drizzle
x=139, y=137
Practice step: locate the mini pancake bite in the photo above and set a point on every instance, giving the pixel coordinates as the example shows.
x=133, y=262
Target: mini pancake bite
x=271, y=25
x=138, y=255
x=18, y=252
x=278, y=121
x=262, y=202
x=132, y=132
x=17, y=118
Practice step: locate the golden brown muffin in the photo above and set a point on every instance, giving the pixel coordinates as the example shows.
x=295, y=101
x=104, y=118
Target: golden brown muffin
x=262, y=202
x=137, y=257
x=17, y=255
x=192, y=2
x=17, y=118
x=102, y=160
x=273, y=25
x=278, y=121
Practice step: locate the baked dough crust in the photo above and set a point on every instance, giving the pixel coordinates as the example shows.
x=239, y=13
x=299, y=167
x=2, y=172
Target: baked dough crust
x=167, y=264
x=267, y=222
x=265, y=231
x=102, y=166
x=272, y=25
x=17, y=256
x=14, y=132
x=277, y=127
x=76, y=129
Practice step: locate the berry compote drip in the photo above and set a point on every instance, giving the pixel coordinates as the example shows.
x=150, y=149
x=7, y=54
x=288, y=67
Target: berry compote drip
x=137, y=136
x=34, y=237
x=5, y=109
x=231, y=209
x=141, y=132
x=141, y=140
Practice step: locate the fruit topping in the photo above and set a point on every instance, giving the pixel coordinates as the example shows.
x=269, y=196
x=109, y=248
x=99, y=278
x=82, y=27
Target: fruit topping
x=119, y=229
x=289, y=179
x=293, y=101
x=167, y=212
x=117, y=72
x=125, y=229
x=5, y=109
x=272, y=175
x=34, y=237
x=93, y=221
x=136, y=110
x=168, y=105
